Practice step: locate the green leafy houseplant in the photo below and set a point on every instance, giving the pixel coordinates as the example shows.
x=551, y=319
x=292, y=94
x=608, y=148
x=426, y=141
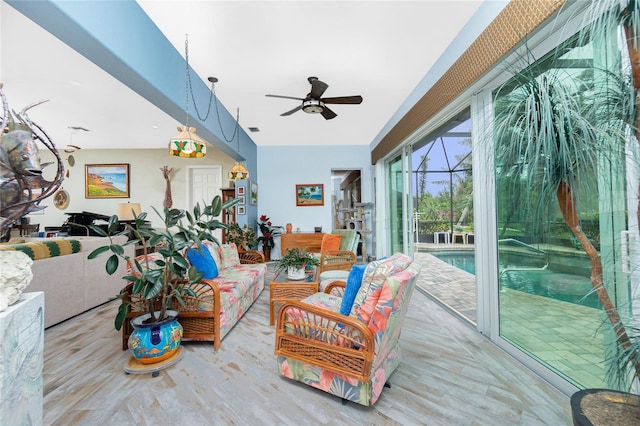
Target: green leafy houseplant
x=244, y=238
x=297, y=259
x=163, y=280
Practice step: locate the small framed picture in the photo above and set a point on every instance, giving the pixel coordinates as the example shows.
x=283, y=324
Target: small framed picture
x=241, y=198
x=253, y=193
x=241, y=210
x=310, y=194
x=240, y=190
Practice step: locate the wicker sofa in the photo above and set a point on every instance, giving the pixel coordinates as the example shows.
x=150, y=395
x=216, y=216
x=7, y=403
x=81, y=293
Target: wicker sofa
x=220, y=302
x=350, y=356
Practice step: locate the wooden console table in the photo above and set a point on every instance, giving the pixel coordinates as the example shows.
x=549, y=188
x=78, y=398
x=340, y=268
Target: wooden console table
x=300, y=240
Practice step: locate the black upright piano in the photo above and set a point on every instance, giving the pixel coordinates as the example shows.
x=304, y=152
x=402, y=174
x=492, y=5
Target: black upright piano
x=78, y=223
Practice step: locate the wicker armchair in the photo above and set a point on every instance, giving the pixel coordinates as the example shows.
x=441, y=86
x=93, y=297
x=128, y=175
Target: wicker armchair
x=348, y=356
x=198, y=324
x=336, y=260
x=335, y=264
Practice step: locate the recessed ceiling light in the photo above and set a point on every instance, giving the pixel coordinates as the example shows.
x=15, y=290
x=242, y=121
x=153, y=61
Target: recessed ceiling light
x=75, y=83
x=253, y=129
x=154, y=126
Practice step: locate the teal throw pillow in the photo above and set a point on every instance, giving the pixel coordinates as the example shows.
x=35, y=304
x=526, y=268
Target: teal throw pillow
x=354, y=281
x=203, y=262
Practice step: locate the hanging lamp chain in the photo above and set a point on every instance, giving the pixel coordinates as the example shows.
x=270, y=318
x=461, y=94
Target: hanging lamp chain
x=212, y=97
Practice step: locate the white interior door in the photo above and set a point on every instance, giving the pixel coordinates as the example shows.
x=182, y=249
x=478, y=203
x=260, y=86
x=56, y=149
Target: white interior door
x=204, y=183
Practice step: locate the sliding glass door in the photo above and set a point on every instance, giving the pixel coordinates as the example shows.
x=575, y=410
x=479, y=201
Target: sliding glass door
x=399, y=203
x=547, y=306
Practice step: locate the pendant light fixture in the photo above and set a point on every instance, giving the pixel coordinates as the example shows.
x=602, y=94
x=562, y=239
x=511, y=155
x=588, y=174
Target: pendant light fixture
x=238, y=171
x=187, y=143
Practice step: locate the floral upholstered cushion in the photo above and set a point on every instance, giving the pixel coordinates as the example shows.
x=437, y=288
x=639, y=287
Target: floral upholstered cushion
x=214, y=249
x=229, y=255
x=149, y=259
x=375, y=275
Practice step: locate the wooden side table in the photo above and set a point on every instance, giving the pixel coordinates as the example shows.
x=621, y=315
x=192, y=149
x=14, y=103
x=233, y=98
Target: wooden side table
x=281, y=290
x=27, y=228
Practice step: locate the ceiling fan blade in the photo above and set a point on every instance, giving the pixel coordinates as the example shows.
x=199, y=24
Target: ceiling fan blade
x=343, y=100
x=317, y=88
x=284, y=97
x=328, y=114
x=298, y=108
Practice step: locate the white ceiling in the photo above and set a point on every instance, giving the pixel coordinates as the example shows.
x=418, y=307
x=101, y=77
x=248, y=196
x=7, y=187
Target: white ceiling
x=380, y=50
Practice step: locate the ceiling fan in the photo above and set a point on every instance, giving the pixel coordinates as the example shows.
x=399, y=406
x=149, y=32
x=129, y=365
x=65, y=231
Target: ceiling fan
x=314, y=103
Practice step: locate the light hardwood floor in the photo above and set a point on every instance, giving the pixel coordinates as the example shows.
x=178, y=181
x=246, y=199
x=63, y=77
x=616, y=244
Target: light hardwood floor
x=449, y=375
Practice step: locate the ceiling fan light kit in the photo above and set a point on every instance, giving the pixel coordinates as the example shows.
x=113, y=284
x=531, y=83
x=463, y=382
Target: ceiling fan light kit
x=313, y=106
x=314, y=103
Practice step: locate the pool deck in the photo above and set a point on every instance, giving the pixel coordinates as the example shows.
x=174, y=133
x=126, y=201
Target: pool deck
x=563, y=335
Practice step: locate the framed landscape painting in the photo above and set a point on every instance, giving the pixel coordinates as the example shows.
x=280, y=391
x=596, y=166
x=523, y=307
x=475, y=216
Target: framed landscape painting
x=106, y=181
x=310, y=194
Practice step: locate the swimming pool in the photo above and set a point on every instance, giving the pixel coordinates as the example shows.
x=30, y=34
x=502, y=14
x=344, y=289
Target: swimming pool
x=464, y=260
x=554, y=284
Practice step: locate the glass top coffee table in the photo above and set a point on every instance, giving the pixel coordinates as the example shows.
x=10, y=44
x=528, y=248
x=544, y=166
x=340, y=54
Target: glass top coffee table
x=283, y=289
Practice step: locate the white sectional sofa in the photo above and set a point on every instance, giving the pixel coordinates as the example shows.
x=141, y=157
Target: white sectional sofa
x=71, y=283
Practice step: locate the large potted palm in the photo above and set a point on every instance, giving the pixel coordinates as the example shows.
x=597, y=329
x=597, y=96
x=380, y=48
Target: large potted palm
x=164, y=280
x=554, y=129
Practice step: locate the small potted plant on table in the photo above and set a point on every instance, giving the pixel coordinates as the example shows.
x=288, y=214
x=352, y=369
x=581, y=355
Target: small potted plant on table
x=296, y=261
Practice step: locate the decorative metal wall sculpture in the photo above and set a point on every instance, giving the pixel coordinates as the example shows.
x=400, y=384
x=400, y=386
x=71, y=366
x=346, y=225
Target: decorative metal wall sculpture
x=22, y=186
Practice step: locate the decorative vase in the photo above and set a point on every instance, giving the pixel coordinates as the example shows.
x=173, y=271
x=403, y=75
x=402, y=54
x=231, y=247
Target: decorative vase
x=295, y=273
x=267, y=253
x=289, y=228
x=154, y=342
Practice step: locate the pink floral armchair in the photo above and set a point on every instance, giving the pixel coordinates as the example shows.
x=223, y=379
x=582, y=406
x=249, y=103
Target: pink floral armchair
x=350, y=356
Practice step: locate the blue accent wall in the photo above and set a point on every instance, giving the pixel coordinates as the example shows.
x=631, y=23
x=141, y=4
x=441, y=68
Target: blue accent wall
x=119, y=37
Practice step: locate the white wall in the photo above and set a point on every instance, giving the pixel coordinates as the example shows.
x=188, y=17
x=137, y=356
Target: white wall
x=280, y=168
x=147, y=185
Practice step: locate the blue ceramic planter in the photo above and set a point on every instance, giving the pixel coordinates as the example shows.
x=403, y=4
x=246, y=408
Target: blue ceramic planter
x=154, y=342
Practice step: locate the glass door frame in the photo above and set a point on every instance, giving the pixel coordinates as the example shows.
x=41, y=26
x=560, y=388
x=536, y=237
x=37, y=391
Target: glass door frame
x=386, y=245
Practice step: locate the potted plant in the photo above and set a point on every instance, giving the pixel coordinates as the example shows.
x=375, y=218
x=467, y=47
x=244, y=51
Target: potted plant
x=268, y=232
x=162, y=282
x=554, y=130
x=244, y=238
x=296, y=261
